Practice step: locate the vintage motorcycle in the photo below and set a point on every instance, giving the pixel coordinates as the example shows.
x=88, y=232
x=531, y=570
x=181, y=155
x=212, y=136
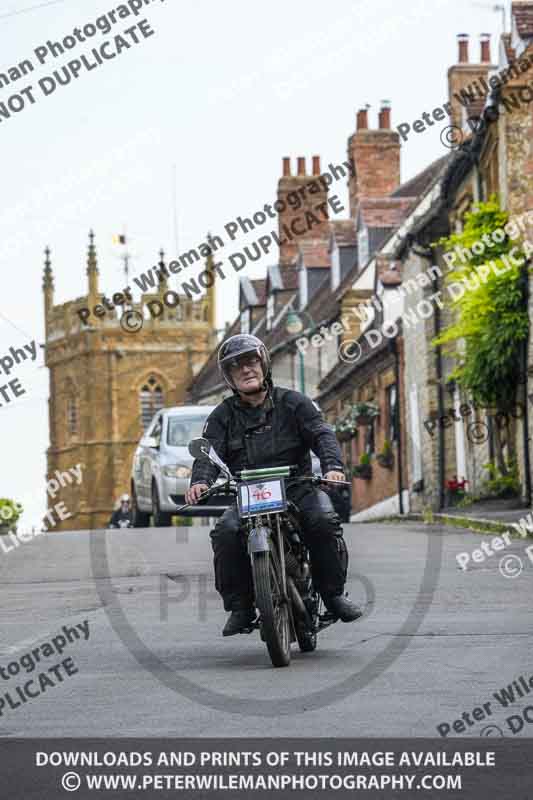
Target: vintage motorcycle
x=290, y=608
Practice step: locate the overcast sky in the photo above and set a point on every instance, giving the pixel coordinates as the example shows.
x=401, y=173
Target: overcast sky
x=222, y=91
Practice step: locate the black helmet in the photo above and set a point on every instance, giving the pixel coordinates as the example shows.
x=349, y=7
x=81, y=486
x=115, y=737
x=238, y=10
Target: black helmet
x=237, y=346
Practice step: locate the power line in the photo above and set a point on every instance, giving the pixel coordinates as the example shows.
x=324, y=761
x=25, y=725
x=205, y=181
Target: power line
x=32, y=8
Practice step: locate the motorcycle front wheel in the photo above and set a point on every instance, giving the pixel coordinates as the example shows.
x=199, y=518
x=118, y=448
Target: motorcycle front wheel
x=273, y=610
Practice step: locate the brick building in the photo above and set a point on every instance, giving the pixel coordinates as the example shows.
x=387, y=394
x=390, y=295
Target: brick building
x=383, y=257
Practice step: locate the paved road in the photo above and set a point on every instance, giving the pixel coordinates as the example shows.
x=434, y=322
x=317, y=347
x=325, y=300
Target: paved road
x=435, y=641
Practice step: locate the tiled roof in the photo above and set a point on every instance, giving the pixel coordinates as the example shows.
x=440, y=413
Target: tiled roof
x=289, y=277
x=417, y=185
x=325, y=304
x=253, y=292
x=343, y=369
x=523, y=14
x=315, y=253
x=259, y=285
x=385, y=212
x=208, y=377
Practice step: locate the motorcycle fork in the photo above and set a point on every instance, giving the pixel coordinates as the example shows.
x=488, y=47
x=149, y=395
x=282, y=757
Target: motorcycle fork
x=281, y=556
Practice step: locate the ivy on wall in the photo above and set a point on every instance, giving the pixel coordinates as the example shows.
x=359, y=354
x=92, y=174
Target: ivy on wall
x=490, y=321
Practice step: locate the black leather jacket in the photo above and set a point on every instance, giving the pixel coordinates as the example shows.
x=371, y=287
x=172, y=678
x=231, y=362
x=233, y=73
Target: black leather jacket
x=119, y=516
x=280, y=432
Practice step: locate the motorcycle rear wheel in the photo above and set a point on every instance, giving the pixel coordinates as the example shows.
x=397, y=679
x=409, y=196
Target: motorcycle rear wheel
x=274, y=613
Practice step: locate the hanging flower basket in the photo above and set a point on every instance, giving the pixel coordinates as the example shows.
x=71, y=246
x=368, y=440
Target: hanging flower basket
x=344, y=435
x=385, y=459
x=345, y=428
x=363, y=471
x=364, y=413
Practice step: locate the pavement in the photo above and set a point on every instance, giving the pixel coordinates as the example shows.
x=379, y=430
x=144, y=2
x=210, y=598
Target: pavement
x=497, y=510
x=435, y=641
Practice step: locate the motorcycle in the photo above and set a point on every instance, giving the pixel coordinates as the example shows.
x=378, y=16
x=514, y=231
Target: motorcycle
x=290, y=608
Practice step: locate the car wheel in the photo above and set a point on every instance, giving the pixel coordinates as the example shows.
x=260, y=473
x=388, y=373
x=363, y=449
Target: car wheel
x=161, y=518
x=139, y=519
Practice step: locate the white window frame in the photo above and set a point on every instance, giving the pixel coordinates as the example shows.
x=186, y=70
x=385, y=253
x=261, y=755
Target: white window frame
x=245, y=320
x=362, y=247
x=270, y=310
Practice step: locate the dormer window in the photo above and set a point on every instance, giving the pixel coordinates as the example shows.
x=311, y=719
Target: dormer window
x=270, y=311
x=245, y=320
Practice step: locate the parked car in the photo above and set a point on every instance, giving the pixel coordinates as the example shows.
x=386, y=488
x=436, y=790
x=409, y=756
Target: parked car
x=162, y=465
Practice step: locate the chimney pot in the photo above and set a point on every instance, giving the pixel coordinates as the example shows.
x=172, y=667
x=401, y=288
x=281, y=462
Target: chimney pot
x=362, y=119
x=301, y=165
x=286, y=166
x=462, y=39
x=384, y=115
x=485, y=48
x=316, y=165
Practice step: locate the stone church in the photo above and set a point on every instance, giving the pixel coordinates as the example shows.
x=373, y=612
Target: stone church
x=107, y=382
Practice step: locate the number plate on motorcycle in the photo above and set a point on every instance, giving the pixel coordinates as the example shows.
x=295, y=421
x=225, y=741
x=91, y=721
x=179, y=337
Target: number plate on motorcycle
x=262, y=497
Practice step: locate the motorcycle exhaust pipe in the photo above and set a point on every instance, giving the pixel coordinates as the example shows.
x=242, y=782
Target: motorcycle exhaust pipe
x=298, y=604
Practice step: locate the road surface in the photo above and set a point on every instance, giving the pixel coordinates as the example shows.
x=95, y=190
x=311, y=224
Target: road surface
x=435, y=641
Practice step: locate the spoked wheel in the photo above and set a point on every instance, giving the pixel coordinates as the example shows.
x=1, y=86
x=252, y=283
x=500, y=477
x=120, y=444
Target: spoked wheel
x=305, y=618
x=307, y=639
x=274, y=612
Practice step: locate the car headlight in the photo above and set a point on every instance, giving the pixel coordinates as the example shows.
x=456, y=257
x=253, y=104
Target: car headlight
x=177, y=471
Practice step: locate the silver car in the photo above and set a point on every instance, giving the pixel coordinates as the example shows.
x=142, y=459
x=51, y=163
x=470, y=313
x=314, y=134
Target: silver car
x=162, y=464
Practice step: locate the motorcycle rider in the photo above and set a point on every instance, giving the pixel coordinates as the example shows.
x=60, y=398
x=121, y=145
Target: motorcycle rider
x=122, y=517
x=265, y=426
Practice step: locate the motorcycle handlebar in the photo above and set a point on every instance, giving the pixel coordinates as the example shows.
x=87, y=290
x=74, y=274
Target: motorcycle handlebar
x=231, y=487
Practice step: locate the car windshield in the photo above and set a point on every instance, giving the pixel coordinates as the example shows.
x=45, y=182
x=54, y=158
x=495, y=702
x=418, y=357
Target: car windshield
x=182, y=429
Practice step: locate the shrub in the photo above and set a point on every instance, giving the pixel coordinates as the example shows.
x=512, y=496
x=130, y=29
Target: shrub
x=501, y=483
x=10, y=512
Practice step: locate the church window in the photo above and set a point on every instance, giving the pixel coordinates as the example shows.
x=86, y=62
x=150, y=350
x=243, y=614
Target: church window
x=151, y=398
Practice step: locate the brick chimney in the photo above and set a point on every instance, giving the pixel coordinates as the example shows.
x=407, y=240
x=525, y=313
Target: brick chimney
x=485, y=48
x=467, y=82
x=295, y=198
x=462, y=41
x=376, y=154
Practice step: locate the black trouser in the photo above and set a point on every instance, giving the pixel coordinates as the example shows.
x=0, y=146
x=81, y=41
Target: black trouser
x=321, y=531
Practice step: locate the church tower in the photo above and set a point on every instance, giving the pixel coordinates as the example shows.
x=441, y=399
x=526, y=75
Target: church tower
x=107, y=382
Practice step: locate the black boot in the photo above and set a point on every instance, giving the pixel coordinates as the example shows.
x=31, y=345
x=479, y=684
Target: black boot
x=240, y=621
x=343, y=608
